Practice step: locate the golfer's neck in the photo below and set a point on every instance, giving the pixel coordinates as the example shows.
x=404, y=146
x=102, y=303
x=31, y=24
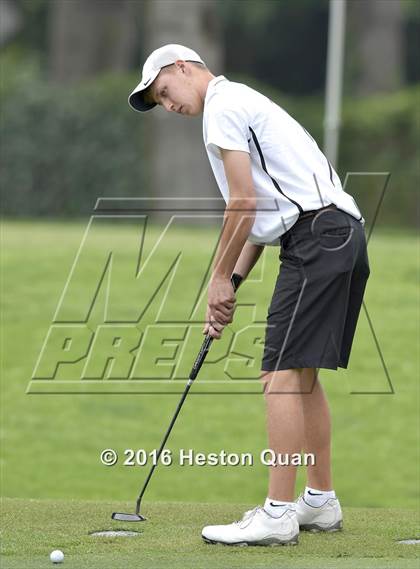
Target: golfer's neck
x=204, y=83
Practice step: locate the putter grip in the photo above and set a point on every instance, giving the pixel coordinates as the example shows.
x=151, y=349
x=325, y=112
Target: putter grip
x=205, y=346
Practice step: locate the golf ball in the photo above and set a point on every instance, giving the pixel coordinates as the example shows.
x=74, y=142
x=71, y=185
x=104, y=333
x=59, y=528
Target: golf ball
x=57, y=556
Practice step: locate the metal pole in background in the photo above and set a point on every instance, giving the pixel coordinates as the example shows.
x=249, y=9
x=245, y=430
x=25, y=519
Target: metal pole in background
x=335, y=60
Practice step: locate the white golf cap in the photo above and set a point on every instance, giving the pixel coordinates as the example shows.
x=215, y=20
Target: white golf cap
x=166, y=55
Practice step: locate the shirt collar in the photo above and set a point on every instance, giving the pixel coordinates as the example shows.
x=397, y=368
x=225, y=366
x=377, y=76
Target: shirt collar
x=212, y=83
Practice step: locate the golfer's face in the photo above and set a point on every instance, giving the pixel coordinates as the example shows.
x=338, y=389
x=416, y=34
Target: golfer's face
x=175, y=92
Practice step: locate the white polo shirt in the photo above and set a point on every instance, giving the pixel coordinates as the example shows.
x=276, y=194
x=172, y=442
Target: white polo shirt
x=290, y=173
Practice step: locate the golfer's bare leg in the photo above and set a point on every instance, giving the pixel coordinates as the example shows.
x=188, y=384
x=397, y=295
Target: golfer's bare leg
x=282, y=393
x=317, y=430
x=298, y=418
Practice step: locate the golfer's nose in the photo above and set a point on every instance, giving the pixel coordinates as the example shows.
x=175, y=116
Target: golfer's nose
x=169, y=106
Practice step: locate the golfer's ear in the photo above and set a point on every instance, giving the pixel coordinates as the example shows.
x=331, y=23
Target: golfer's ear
x=180, y=64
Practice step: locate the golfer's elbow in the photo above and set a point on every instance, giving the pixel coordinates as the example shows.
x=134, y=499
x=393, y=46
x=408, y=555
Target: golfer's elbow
x=250, y=204
x=246, y=203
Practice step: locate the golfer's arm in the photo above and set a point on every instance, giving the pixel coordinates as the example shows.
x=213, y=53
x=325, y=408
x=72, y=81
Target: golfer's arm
x=249, y=256
x=239, y=214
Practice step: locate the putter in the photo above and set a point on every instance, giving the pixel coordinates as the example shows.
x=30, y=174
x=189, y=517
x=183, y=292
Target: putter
x=137, y=517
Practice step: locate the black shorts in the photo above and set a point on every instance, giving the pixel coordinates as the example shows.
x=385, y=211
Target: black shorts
x=318, y=294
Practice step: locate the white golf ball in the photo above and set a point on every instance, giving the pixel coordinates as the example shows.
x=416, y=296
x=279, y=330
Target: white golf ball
x=57, y=556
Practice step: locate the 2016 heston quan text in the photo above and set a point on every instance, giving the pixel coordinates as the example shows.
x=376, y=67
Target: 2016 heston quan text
x=190, y=457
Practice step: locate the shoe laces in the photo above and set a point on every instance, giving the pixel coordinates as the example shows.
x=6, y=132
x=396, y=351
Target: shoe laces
x=247, y=515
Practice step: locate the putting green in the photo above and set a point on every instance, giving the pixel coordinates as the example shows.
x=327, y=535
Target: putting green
x=171, y=538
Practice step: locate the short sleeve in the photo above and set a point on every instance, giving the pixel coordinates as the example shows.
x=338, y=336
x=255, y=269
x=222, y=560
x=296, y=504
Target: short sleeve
x=227, y=129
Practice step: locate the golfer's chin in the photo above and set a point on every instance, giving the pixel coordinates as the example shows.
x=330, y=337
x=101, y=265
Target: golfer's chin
x=190, y=113
x=192, y=110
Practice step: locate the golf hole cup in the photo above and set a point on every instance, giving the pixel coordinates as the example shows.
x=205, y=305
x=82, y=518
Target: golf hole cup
x=57, y=556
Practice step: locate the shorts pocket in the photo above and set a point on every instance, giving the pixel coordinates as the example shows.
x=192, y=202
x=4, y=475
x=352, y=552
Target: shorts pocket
x=335, y=237
x=333, y=231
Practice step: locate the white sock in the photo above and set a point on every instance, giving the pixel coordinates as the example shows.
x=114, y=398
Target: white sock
x=276, y=508
x=316, y=498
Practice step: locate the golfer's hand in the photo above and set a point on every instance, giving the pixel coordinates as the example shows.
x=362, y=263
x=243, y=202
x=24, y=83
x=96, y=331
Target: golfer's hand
x=220, y=306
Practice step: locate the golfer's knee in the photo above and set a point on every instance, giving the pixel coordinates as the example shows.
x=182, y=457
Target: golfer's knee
x=281, y=381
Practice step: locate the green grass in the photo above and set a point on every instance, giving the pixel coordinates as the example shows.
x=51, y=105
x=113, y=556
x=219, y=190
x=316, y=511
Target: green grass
x=171, y=538
x=51, y=443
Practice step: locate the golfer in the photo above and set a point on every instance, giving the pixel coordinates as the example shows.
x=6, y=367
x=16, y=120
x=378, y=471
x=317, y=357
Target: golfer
x=279, y=189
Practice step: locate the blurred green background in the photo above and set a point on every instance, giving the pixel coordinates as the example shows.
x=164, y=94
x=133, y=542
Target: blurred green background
x=51, y=443
x=69, y=137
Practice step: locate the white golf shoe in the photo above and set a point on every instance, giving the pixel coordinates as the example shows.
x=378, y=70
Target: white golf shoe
x=256, y=528
x=327, y=517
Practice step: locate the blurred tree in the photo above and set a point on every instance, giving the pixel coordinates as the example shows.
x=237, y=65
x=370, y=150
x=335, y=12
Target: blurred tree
x=31, y=37
x=276, y=41
x=377, y=30
x=88, y=37
x=176, y=155
x=10, y=21
x=411, y=10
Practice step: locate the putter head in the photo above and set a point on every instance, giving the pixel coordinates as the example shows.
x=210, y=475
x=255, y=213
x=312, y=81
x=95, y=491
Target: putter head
x=119, y=517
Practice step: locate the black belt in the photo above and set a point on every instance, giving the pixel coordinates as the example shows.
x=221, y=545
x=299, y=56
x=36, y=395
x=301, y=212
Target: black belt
x=313, y=212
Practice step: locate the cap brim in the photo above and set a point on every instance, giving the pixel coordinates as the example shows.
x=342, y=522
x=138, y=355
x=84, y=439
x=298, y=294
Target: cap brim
x=136, y=99
x=137, y=102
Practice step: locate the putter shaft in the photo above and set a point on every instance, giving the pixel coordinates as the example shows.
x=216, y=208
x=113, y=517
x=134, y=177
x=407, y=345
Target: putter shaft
x=236, y=280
